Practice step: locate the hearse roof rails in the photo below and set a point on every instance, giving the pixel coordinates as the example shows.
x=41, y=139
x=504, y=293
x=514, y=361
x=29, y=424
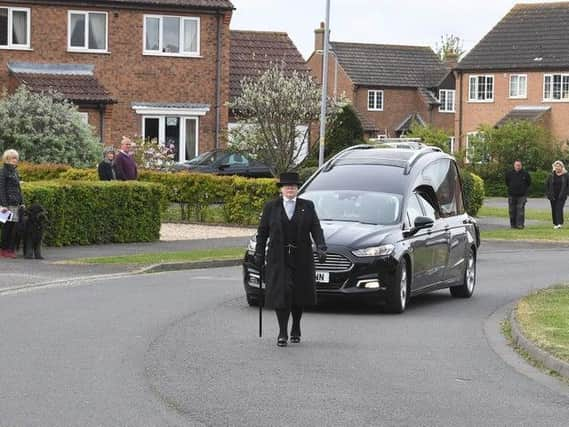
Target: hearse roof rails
x=418, y=154
x=330, y=163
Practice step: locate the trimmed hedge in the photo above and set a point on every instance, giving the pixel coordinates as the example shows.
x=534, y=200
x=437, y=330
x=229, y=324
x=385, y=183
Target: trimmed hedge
x=82, y=213
x=473, y=189
x=495, y=180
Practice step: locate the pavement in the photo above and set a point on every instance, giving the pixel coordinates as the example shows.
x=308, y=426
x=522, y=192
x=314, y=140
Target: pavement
x=181, y=349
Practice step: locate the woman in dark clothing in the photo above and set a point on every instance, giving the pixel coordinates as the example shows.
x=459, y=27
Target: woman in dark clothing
x=10, y=200
x=106, y=170
x=557, y=188
x=288, y=222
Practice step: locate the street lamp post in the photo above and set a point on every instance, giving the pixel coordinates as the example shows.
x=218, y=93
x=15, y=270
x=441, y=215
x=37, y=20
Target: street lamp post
x=324, y=86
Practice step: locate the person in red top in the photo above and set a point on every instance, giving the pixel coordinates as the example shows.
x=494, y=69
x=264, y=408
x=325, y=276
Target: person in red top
x=124, y=164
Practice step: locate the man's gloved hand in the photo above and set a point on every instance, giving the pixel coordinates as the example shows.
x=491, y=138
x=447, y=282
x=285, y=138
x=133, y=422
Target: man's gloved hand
x=259, y=260
x=321, y=255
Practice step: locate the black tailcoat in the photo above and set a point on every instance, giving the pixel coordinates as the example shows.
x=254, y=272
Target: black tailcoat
x=277, y=274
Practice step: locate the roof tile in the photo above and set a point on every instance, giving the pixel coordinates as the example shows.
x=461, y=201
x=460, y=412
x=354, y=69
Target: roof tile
x=530, y=36
x=253, y=52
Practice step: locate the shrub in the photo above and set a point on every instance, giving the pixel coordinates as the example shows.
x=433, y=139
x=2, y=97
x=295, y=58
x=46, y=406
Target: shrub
x=473, y=189
x=431, y=136
x=98, y=212
x=538, y=179
x=41, y=172
x=305, y=173
x=46, y=128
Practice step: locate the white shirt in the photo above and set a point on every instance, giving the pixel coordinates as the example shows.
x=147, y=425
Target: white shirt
x=292, y=202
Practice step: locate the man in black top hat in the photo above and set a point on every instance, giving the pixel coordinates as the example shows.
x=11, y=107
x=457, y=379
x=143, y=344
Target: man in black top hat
x=288, y=222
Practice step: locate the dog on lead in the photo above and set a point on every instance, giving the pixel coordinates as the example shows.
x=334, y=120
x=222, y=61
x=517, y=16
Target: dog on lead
x=31, y=229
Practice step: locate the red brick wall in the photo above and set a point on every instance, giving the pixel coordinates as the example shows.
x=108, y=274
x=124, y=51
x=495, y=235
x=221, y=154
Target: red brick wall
x=476, y=113
x=126, y=72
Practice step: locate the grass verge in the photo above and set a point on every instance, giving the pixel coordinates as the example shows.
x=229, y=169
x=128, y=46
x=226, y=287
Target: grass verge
x=544, y=318
x=161, y=257
x=543, y=232
x=531, y=214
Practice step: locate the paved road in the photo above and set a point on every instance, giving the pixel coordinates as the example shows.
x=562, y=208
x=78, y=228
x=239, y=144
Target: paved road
x=180, y=349
x=532, y=203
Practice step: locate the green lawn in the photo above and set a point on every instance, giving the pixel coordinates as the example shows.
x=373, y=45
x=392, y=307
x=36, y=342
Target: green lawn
x=155, y=258
x=535, y=214
x=544, y=319
x=543, y=232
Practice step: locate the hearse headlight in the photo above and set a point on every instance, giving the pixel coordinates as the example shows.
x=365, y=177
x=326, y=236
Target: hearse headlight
x=374, y=251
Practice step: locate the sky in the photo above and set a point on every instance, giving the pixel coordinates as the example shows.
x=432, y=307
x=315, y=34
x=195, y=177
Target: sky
x=408, y=22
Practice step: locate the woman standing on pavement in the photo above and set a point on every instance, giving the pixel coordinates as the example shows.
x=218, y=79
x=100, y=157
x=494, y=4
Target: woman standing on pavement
x=10, y=200
x=288, y=222
x=557, y=188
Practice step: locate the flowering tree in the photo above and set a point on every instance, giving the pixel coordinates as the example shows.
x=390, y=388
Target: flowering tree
x=271, y=110
x=149, y=154
x=46, y=128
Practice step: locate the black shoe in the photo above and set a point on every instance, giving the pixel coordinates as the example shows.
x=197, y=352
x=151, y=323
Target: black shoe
x=520, y=227
x=281, y=341
x=295, y=339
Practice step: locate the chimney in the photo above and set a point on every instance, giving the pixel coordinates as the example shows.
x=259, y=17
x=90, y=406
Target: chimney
x=319, y=38
x=451, y=60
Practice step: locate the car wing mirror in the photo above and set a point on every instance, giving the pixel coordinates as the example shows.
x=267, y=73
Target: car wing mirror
x=421, y=223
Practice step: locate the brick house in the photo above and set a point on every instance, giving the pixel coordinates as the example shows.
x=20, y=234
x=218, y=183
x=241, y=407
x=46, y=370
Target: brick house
x=519, y=70
x=390, y=86
x=253, y=53
x=156, y=68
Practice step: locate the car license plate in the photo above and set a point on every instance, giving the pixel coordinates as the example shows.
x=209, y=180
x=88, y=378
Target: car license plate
x=323, y=277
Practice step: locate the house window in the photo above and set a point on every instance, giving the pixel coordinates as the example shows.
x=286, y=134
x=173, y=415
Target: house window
x=84, y=117
x=518, y=85
x=171, y=35
x=446, y=98
x=87, y=31
x=179, y=132
x=14, y=28
x=481, y=89
x=556, y=87
x=375, y=100
x=450, y=144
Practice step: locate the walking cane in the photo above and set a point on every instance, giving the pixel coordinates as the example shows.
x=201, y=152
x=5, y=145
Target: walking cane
x=261, y=268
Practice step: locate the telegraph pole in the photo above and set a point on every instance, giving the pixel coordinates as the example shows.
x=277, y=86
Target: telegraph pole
x=324, y=86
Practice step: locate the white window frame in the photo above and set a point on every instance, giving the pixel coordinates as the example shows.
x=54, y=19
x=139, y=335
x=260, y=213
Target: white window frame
x=84, y=116
x=524, y=92
x=551, y=76
x=375, y=98
x=182, y=137
x=442, y=106
x=11, y=45
x=86, y=13
x=182, y=52
x=477, y=76
x=452, y=141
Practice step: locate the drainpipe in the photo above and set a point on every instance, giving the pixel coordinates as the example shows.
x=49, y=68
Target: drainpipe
x=102, y=123
x=218, y=83
x=458, y=88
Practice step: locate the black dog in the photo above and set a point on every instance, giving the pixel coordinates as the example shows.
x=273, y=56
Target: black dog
x=31, y=226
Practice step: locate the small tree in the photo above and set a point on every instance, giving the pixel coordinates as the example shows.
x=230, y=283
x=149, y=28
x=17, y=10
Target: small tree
x=44, y=128
x=150, y=154
x=431, y=136
x=270, y=110
x=450, y=47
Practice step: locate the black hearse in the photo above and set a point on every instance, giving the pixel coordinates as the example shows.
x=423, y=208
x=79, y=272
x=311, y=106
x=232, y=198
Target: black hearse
x=395, y=227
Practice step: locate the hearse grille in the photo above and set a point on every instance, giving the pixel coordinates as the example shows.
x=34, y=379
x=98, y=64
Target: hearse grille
x=334, y=262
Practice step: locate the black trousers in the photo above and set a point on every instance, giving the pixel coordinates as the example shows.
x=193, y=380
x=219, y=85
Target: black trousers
x=517, y=207
x=282, y=317
x=8, y=236
x=557, y=211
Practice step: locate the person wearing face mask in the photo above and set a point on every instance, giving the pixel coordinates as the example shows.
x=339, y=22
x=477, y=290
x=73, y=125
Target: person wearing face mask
x=557, y=189
x=288, y=223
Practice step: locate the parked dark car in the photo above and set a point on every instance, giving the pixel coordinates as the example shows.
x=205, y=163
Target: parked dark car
x=395, y=227
x=222, y=162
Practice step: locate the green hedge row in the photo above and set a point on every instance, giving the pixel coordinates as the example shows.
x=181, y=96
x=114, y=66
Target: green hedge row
x=82, y=213
x=473, y=189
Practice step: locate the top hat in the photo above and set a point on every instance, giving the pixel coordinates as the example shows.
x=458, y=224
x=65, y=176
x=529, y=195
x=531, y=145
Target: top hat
x=288, y=178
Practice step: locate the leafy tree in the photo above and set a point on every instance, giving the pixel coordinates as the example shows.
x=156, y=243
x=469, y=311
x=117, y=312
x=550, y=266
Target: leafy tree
x=450, y=47
x=270, y=110
x=344, y=130
x=430, y=135
x=530, y=142
x=44, y=128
